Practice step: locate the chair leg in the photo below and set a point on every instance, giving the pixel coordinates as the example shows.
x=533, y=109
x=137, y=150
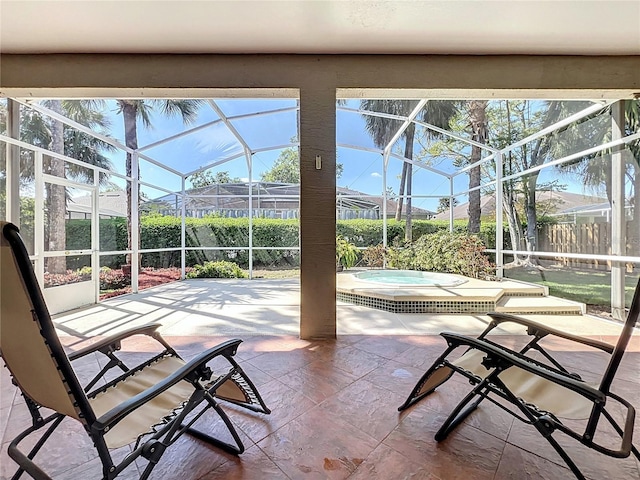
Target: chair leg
x=459, y=413
x=25, y=462
x=567, y=459
x=236, y=449
x=617, y=428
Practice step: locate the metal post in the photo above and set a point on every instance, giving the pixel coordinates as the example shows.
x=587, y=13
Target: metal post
x=95, y=234
x=451, y=198
x=385, y=164
x=13, y=164
x=183, y=232
x=38, y=220
x=249, y=156
x=618, y=225
x=135, y=221
x=499, y=218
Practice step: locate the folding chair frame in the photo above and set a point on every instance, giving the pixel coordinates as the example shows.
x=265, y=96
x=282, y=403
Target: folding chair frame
x=149, y=445
x=498, y=358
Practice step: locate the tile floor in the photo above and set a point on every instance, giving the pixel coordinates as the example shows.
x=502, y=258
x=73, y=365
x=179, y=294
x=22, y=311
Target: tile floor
x=335, y=416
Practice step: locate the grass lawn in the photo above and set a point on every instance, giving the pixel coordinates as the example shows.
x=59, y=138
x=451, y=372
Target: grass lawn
x=591, y=287
x=277, y=273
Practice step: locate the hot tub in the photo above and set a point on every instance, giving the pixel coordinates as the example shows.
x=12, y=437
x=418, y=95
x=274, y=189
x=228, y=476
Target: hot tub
x=408, y=278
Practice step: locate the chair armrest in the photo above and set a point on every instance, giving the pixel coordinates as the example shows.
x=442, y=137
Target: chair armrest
x=512, y=359
x=112, y=343
x=535, y=327
x=116, y=414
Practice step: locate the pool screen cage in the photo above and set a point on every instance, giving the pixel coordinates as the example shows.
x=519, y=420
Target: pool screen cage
x=582, y=138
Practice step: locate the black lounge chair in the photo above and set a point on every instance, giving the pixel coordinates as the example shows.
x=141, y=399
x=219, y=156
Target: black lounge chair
x=539, y=393
x=148, y=406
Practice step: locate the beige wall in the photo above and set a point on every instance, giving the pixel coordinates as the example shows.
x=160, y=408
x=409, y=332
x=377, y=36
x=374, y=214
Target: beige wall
x=317, y=80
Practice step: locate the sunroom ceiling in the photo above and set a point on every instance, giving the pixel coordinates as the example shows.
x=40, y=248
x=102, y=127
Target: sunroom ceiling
x=573, y=27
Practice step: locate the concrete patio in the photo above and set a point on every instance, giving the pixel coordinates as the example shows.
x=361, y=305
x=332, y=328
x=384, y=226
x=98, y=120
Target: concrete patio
x=204, y=307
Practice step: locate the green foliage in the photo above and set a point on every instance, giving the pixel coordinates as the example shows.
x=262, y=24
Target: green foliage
x=205, y=178
x=286, y=168
x=346, y=252
x=443, y=203
x=443, y=252
x=219, y=269
x=374, y=256
x=165, y=232
x=113, y=280
x=365, y=233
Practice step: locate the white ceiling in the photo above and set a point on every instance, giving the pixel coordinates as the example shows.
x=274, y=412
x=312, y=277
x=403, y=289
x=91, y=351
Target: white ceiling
x=581, y=27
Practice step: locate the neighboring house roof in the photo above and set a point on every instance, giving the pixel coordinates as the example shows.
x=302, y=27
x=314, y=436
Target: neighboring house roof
x=392, y=205
x=203, y=197
x=565, y=202
x=112, y=204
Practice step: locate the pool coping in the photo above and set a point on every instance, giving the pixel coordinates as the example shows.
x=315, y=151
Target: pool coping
x=471, y=297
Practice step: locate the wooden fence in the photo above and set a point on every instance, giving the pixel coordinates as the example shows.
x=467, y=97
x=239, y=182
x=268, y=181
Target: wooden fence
x=586, y=238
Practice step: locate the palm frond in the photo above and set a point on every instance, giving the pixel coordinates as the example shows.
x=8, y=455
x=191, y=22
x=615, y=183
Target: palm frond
x=187, y=109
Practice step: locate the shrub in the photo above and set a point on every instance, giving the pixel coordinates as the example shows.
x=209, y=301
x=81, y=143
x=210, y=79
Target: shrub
x=444, y=252
x=221, y=269
x=84, y=271
x=113, y=279
x=346, y=252
x=158, y=232
x=71, y=276
x=374, y=256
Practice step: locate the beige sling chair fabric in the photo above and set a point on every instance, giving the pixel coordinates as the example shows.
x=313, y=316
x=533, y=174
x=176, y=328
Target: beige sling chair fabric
x=152, y=411
x=156, y=409
x=538, y=389
x=151, y=404
x=533, y=389
x=22, y=347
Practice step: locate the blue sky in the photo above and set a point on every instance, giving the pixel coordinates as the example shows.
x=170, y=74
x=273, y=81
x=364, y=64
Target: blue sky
x=362, y=171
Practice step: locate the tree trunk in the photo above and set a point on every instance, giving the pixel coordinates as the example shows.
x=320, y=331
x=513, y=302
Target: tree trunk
x=478, y=121
x=509, y=198
x=532, y=217
x=129, y=113
x=403, y=179
x=513, y=221
x=56, y=197
x=408, y=153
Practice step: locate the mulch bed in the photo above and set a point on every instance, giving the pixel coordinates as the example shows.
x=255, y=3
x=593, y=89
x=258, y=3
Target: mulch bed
x=147, y=278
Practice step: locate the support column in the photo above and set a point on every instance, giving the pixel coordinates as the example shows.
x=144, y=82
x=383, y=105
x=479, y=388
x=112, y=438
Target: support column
x=499, y=217
x=317, y=212
x=183, y=230
x=249, y=158
x=13, y=163
x=135, y=221
x=618, y=223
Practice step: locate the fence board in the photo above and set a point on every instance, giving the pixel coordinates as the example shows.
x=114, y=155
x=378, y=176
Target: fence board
x=585, y=238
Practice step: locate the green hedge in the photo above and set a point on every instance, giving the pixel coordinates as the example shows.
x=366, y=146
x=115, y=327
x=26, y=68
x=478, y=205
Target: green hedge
x=164, y=232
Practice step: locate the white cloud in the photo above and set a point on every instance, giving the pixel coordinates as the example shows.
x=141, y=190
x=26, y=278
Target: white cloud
x=376, y=174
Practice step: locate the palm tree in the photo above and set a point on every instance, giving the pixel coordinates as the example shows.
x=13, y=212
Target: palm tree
x=477, y=110
x=53, y=135
x=382, y=129
x=132, y=110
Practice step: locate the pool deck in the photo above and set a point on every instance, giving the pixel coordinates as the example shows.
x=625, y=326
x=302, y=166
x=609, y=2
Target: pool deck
x=208, y=307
